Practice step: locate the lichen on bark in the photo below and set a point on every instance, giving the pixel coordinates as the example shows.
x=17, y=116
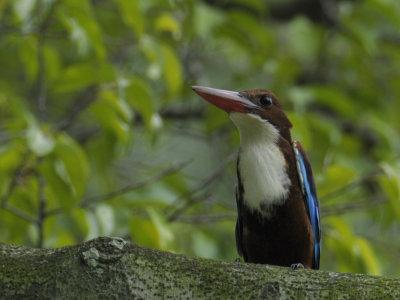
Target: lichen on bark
x=112, y=268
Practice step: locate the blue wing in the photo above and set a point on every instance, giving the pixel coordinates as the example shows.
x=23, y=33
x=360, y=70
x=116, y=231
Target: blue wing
x=310, y=198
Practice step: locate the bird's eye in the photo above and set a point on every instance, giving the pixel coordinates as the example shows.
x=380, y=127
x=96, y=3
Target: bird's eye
x=265, y=100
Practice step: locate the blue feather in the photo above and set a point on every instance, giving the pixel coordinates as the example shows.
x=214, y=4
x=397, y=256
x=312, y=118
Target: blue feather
x=311, y=201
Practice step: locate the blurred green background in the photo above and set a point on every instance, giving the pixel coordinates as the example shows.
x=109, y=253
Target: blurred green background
x=101, y=134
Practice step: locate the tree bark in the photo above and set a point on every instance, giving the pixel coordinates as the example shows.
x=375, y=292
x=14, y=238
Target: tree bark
x=111, y=268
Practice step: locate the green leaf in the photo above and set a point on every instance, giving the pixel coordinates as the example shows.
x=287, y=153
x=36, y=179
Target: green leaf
x=28, y=56
x=167, y=23
x=139, y=97
x=39, y=141
x=206, y=19
x=335, y=99
x=66, y=229
x=13, y=230
x=204, y=245
x=237, y=27
x=81, y=75
x=114, y=115
x=340, y=242
x=144, y=232
x=66, y=172
x=154, y=232
x=390, y=184
x=215, y=119
x=353, y=254
x=303, y=40
x=165, y=234
x=72, y=164
x=132, y=15
x=163, y=58
x=59, y=193
x=105, y=219
x=172, y=70
x=78, y=18
x=300, y=131
x=11, y=154
x=24, y=9
x=367, y=256
x=52, y=63
x=336, y=177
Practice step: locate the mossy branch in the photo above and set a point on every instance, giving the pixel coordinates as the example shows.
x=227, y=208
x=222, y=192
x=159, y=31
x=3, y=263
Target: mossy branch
x=111, y=268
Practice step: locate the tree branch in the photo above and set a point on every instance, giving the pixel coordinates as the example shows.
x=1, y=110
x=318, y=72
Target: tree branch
x=348, y=207
x=319, y=11
x=128, y=188
x=81, y=104
x=206, y=219
x=18, y=213
x=199, y=186
x=109, y=268
x=13, y=184
x=41, y=97
x=168, y=171
x=14, y=181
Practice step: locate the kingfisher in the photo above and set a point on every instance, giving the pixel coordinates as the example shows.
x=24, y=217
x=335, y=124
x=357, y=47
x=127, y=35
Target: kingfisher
x=278, y=219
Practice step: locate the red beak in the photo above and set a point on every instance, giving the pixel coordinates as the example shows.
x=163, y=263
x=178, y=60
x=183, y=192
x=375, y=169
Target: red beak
x=226, y=100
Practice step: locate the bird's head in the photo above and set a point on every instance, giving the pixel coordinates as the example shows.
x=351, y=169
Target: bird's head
x=245, y=106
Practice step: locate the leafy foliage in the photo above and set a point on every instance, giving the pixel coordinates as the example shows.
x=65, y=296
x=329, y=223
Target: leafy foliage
x=100, y=133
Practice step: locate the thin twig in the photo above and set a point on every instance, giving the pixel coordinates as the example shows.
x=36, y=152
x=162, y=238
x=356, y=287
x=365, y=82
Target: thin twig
x=190, y=202
x=168, y=171
x=128, y=188
x=199, y=219
x=81, y=104
x=14, y=180
x=13, y=184
x=199, y=186
x=19, y=213
x=41, y=97
x=22, y=33
x=349, y=207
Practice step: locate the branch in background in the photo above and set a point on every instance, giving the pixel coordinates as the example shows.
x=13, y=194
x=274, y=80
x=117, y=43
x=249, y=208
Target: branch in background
x=168, y=171
x=349, y=207
x=319, y=11
x=173, y=113
x=18, y=213
x=340, y=191
x=18, y=31
x=366, y=135
x=81, y=104
x=200, y=219
x=201, y=185
x=13, y=184
x=192, y=200
x=86, y=134
x=182, y=113
x=41, y=97
x=14, y=181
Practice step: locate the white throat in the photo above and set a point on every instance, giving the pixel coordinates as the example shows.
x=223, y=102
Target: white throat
x=262, y=165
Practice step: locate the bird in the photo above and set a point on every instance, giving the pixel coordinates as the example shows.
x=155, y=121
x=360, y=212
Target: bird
x=278, y=219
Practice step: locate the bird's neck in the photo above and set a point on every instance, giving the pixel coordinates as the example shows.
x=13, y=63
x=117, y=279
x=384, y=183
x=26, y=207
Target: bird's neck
x=262, y=166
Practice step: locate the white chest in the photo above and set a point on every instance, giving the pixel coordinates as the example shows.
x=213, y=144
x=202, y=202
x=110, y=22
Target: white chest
x=262, y=165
